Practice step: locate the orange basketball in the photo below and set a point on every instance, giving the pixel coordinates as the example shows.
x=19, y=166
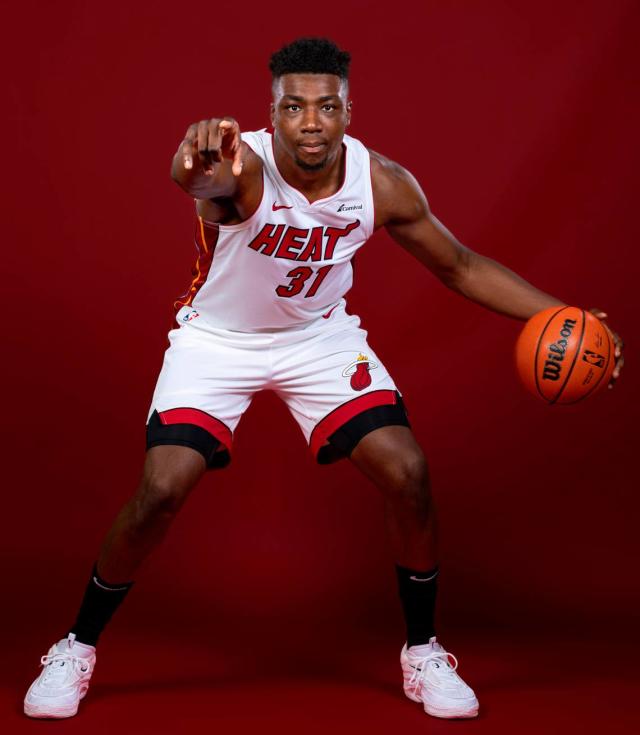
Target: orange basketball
x=564, y=354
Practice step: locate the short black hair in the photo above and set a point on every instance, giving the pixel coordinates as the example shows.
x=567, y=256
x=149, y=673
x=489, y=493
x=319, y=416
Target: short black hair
x=310, y=56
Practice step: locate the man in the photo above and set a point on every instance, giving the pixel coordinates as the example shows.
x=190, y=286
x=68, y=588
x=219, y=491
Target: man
x=280, y=218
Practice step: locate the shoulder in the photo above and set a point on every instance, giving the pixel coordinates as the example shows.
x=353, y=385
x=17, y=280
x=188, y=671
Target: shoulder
x=254, y=143
x=397, y=196
x=254, y=153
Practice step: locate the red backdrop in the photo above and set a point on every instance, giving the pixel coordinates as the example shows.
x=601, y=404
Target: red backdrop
x=518, y=121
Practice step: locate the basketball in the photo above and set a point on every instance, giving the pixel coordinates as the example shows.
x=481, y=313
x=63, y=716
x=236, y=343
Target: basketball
x=565, y=354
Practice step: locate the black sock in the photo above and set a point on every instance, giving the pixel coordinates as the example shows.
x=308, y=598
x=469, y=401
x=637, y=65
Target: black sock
x=418, y=596
x=101, y=599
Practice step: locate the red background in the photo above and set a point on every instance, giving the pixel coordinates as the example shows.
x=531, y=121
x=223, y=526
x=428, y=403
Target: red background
x=519, y=121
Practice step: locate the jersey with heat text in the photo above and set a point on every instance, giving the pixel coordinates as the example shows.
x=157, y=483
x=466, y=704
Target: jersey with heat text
x=290, y=262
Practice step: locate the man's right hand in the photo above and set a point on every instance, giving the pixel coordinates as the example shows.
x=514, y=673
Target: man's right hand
x=212, y=141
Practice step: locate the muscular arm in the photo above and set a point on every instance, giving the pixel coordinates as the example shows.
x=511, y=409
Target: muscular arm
x=403, y=209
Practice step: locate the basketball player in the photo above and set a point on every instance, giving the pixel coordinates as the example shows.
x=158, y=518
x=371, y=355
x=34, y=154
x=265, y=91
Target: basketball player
x=279, y=218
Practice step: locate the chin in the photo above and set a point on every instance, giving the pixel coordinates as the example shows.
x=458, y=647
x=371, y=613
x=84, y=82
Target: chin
x=311, y=166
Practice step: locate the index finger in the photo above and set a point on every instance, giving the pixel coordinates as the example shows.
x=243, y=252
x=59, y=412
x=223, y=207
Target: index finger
x=236, y=166
x=231, y=126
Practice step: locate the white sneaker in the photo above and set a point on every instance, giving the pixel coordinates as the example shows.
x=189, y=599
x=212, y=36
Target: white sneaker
x=430, y=678
x=63, y=681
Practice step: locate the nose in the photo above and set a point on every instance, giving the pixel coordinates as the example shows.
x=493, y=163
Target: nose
x=311, y=121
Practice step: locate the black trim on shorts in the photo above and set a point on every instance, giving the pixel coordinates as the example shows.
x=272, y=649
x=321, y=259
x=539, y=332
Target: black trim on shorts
x=188, y=435
x=343, y=441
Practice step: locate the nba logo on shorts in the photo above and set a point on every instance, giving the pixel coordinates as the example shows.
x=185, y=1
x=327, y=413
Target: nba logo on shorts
x=190, y=316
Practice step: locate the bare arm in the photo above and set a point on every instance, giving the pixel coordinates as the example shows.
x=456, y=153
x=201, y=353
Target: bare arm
x=402, y=208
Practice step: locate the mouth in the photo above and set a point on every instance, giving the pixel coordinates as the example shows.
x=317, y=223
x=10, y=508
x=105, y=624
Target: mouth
x=312, y=146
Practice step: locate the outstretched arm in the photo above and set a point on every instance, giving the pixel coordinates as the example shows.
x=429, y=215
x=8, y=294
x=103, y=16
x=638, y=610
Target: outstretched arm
x=402, y=208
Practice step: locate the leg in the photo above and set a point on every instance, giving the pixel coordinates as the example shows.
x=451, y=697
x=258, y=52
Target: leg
x=354, y=410
x=170, y=473
x=392, y=459
x=182, y=442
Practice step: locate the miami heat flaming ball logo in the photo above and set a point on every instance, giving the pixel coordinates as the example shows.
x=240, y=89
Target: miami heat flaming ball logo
x=358, y=371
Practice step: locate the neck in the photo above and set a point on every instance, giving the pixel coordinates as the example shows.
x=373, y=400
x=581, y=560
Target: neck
x=313, y=184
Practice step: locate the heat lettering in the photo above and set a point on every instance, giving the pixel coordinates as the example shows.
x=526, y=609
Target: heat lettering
x=294, y=243
x=268, y=237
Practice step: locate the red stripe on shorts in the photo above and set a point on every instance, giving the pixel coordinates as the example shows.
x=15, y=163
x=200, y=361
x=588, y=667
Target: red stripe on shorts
x=199, y=418
x=340, y=415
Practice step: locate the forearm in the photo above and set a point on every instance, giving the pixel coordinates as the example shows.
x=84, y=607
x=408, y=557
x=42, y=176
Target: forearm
x=492, y=285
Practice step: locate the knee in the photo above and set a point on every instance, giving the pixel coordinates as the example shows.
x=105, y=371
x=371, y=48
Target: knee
x=407, y=479
x=160, y=496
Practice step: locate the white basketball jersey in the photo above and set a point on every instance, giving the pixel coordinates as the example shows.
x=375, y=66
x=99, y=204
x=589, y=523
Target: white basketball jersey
x=290, y=262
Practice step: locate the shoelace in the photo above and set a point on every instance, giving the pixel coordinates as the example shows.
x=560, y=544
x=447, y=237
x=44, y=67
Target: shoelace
x=441, y=660
x=55, y=671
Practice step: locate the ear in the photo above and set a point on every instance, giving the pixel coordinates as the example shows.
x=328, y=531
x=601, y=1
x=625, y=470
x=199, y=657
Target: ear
x=349, y=105
x=272, y=113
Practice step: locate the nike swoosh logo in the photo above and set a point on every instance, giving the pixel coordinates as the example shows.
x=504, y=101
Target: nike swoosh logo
x=275, y=207
x=109, y=589
x=428, y=579
x=328, y=314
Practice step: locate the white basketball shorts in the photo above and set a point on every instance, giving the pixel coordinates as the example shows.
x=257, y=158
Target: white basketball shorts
x=333, y=383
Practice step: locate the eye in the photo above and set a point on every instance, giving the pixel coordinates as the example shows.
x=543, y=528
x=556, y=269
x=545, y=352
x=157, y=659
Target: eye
x=328, y=107
x=291, y=107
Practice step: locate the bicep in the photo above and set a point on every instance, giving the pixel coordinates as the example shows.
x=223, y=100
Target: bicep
x=404, y=212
